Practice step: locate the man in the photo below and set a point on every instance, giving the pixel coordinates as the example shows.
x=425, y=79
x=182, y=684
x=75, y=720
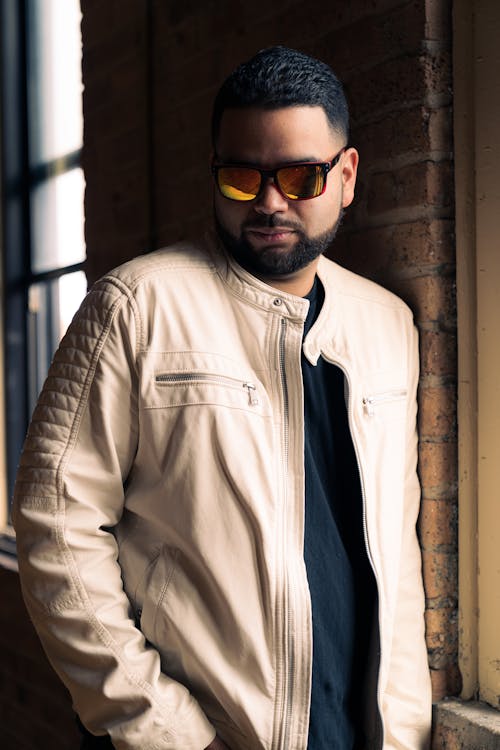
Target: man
x=217, y=499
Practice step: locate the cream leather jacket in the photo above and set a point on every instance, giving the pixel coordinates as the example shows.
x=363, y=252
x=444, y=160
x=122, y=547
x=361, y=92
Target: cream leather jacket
x=159, y=504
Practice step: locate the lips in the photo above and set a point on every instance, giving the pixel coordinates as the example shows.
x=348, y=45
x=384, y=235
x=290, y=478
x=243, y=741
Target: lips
x=267, y=234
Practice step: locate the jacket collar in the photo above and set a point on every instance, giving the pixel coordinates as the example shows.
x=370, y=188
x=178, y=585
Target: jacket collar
x=323, y=334
x=253, y=290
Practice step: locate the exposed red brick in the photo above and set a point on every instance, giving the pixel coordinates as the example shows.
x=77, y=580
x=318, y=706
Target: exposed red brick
x=426, y=184
x=431, y=297
x=438, y=352
x=438, y=469
x=436, y=622
x=397, y=32
x=446, y=682
x=440, y=575
x=438, y=525
x=410, y=132
x=437, y=417
x=396, y=84
x=438, y=20
x=390, y=253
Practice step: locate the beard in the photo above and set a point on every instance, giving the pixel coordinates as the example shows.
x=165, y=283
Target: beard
x=274, y=261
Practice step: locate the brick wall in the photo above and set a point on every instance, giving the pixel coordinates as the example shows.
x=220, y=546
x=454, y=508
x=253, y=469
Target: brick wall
x=35, y=709
x=150, y=72
x=401, y=233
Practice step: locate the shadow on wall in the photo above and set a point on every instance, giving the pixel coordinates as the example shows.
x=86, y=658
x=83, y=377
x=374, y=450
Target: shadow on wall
x=35, y=708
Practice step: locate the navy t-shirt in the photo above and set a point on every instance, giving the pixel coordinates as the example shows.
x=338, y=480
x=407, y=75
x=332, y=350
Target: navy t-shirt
x=340, y=578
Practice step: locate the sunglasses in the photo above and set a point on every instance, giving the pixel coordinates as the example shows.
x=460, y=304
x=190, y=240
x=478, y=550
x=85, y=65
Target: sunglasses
x=296, y=182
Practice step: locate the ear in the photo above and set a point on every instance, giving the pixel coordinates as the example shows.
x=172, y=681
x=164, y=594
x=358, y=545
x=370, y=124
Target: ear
x=350, y=159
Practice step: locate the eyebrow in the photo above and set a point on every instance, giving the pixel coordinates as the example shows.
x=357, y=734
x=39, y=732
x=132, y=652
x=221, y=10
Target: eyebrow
x=285, y=163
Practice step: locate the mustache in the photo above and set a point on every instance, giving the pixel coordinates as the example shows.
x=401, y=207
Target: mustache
x=267, y=222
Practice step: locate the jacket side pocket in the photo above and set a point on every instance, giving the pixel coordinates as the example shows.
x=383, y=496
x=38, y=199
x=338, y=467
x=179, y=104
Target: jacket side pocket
x=153, y=589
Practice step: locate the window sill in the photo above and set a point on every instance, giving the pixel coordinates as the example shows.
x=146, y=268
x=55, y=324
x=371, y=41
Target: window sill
x=465, y=725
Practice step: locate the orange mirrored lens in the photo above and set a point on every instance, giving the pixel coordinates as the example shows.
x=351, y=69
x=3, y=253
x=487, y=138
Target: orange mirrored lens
x=302, y=181
x=239, y=183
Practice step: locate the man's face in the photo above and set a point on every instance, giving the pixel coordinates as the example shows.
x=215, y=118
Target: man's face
x=273, y=236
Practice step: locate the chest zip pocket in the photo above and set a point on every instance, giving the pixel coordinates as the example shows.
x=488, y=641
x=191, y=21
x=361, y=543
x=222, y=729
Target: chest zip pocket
x=370, y=403
x=187, y=378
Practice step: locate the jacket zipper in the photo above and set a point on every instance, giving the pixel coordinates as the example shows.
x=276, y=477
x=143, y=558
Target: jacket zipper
x=198, y=377
x=371, y=401
x=288, y=665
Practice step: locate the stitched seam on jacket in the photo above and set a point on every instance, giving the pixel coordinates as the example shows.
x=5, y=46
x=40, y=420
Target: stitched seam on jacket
x=129, y=294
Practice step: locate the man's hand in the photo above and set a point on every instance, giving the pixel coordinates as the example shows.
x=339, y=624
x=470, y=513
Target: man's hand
x=217, y=744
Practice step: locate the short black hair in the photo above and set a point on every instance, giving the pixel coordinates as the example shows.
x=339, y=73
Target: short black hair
x=281, y=77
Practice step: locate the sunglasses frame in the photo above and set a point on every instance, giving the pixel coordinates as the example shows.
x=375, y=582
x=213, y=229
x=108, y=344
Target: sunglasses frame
x=272, y=174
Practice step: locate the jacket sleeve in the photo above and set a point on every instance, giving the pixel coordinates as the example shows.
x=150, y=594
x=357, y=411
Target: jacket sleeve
x=407, y=696
x=68, y=496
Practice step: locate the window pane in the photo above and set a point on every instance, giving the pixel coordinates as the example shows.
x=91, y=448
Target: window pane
x=54, y=78
x=51, y=305
x=57, y=222
x=72, y=288
x=39, y=338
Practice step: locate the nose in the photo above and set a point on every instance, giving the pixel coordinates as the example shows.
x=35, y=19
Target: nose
x=270, y=200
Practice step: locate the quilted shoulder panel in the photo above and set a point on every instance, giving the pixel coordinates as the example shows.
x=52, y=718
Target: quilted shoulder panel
x=55, y=420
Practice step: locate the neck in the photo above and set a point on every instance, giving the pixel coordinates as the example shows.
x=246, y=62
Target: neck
x=299, y=283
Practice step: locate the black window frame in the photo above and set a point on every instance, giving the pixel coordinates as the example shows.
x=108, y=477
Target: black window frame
x=26, y=352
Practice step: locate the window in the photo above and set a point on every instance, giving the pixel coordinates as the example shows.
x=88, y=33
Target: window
x=477, y=164
x=43, y=244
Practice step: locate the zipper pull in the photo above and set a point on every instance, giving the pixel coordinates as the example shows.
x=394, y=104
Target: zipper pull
x=252, y=395
x=368, y=404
